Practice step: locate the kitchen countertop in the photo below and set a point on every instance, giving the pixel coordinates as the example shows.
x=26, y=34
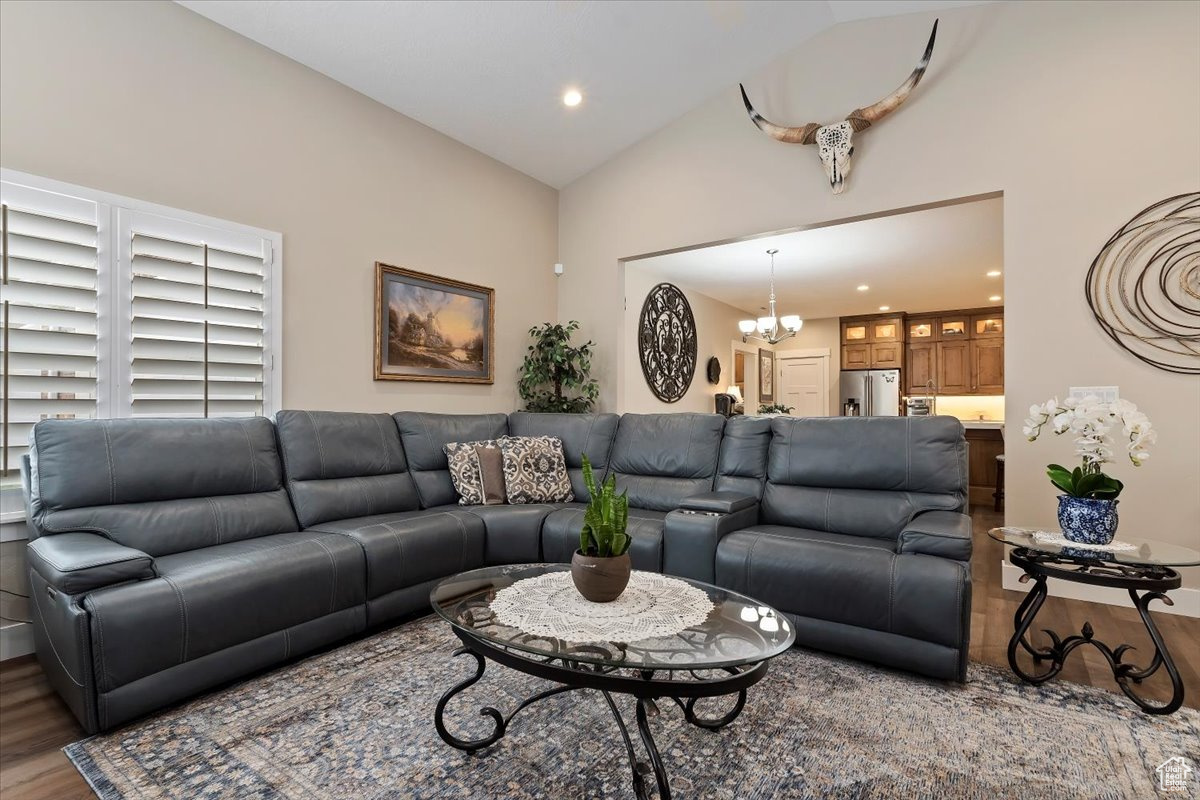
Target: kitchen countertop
x=984, y=424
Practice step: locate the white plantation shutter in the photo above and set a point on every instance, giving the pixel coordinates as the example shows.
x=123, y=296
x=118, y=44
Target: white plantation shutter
x=111, y=307
x=51, y=317
x=197, y=314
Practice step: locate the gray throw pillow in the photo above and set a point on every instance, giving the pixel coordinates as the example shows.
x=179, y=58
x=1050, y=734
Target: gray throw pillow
x=535, y=470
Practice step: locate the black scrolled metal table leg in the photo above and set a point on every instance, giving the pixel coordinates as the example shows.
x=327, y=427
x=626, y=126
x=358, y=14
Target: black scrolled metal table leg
x=1022, y=621
x=660, y=772
x=709, y=723
x=1125, y=673
x=469, y=745
x=638, y=767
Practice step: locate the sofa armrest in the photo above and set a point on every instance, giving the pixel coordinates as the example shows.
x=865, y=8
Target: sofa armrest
x=938, y=533
x=78, y=562
x=718, y=502
x=690, y=539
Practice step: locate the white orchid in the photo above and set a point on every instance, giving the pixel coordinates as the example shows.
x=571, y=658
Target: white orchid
x=1094, y=423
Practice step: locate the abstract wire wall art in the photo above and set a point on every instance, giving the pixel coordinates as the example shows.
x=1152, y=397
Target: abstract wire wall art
x=1144, y=285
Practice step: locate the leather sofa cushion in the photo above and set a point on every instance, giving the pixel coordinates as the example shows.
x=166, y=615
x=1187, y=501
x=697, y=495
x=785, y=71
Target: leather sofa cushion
x=410, y=547
x=560, y=535
x=425, y=435
x=82, y=463
x=209, y=599
x=848, y=579
x=659, y=459
x=581, y=434
x=899, y=454
x=742, y=466
x=343, y=464
x=513, y=534
x=159, y=486
x=859, y=512
x=172, y=526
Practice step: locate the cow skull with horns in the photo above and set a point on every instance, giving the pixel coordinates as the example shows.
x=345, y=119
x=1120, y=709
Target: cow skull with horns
x=835, y=142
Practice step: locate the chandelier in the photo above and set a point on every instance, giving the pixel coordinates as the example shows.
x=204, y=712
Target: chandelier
x=771, y=328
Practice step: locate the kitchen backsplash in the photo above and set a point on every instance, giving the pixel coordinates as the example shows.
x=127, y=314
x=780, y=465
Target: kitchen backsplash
x=967, y=407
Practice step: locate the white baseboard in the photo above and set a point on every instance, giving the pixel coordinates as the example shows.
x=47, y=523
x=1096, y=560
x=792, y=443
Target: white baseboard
x=1187, y=601
x=16, y=640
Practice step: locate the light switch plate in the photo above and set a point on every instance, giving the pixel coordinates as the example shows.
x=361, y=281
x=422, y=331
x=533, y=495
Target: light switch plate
x=1107, y=394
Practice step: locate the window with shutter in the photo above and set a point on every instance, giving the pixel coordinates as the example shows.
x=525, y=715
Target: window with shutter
x=50, y=314
x=114, y=307
x=197, y=312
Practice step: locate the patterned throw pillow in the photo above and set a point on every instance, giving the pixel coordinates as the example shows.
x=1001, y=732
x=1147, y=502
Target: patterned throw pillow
x=535, y=470
x=464, y=470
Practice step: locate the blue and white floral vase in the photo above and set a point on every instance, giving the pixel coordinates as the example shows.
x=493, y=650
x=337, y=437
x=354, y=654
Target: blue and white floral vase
x=1087, y=521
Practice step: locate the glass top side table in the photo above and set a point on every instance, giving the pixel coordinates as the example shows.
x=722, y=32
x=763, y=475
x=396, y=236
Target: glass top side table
x=1145, y=570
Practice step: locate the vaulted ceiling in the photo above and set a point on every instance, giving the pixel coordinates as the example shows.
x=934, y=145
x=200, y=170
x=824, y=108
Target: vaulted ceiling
x=492, y=74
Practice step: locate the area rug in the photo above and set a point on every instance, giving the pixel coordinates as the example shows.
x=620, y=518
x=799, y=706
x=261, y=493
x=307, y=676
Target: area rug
x=357, y=722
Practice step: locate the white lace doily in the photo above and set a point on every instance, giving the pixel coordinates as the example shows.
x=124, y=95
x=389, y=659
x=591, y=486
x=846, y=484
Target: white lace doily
x=1049, y=537
x=651, y=605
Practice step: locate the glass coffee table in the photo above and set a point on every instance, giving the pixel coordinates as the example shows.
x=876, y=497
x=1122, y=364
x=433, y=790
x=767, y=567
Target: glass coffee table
x=695, y=641
x=1137, y=565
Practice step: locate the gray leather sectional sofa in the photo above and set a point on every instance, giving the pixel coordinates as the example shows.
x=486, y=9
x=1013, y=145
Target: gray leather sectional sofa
x=170, y=556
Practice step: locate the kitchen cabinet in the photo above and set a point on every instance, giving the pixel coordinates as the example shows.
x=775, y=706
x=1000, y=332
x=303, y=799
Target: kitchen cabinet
x=983, y=445
x=887, y=355
x=921, y=330
x=950, y=328
x=987, y=326
x=856, y=356
x=890, y=329
x=987, y=366
x=954, y=367
x=856, y=333
x=920, y=367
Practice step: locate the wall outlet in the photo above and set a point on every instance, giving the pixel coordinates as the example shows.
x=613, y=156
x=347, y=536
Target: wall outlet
x=1107, y=394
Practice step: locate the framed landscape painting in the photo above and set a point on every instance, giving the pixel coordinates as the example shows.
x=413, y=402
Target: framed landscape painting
x=432, y=329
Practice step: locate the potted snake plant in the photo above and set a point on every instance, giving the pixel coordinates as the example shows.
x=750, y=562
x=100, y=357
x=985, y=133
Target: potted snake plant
x=601, y=565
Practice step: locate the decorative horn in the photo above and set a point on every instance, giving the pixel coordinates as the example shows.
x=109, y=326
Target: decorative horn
x=863, y=118
x=806, y=134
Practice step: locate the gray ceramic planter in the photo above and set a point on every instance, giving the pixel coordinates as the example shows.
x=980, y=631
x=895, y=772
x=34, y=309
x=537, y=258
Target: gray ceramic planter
x=600, y=580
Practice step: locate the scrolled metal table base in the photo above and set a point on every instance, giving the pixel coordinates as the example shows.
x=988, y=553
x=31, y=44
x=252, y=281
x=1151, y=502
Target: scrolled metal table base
x=1153, y=582
x=574, y=675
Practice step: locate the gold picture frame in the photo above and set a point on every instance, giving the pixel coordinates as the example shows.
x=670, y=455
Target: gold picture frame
x=430, y=328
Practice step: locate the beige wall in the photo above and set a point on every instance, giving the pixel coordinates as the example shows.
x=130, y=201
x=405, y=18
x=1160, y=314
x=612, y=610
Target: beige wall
x=716, y=329
x=821, y=334
x=1081, y=113
x=154, y=102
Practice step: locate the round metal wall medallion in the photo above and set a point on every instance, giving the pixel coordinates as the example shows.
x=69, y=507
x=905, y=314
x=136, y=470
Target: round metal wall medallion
x=667, y=342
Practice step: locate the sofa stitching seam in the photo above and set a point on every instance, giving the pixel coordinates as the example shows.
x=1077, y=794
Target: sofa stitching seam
x=320, y=444
x=387, y=456
x=333, y=572
x=182, y=604
x=112, y=471
x=891, y=592
x=250, y=449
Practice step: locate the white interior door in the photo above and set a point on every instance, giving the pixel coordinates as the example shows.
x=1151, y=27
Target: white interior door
x=802, y=384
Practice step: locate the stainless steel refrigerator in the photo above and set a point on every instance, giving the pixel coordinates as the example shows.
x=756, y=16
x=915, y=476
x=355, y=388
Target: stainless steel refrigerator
x=877, y=391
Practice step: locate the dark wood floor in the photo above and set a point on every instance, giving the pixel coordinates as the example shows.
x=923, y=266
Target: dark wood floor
x=34, y=724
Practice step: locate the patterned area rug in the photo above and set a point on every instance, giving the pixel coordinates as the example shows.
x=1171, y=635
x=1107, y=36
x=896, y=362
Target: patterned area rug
x=357, y=722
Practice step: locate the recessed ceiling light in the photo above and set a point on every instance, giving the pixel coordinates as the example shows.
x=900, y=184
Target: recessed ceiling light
x=863, y=288
x=993, y=273
x=572, y=97
x=995, y=298
x=885, y=308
